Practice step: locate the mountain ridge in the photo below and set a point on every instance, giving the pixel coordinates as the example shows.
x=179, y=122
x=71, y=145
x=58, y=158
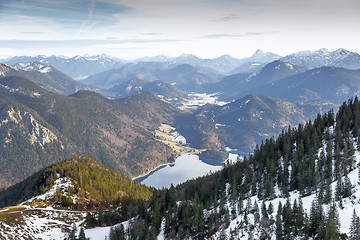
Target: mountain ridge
x=46, y=76
x=117, y=133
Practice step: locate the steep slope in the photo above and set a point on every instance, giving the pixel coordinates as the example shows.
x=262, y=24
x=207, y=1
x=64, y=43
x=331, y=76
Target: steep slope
x=243, y=123
x=303, y=184
x=164, y=89
x=45, y=76
x=51, y=127
x=185, y=77
x=329, y=83
x=145, y=71
x=92, y=183
x=59, y=196
x=248, y=67
x=239, y=85
x=160, y=88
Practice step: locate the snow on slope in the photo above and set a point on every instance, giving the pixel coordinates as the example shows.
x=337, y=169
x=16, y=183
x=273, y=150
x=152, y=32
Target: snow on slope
x=200, y=99
x=238, y=229
x=345, y=213
x=30, y=221
x=36, y=218
x=34, y=66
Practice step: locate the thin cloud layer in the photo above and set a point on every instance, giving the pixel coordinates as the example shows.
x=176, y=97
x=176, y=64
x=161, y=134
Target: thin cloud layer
x=206, y=28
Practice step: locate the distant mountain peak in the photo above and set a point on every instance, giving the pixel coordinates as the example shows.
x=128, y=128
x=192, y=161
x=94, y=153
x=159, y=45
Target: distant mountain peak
x=322, y=50
x=259, y=52
x=226, y=57
x=262, y=56
x=187, y=57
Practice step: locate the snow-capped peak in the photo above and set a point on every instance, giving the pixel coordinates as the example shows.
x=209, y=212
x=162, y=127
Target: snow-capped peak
x=34, y=66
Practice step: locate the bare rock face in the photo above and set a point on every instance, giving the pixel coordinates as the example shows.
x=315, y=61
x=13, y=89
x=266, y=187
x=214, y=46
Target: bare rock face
x=37, y=133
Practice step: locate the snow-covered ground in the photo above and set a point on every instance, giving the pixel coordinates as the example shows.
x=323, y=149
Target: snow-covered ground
x=60, y=183
x=29, y=221
x=35, y=218
x=177, y=137
x=201, y=99
x=345, y=213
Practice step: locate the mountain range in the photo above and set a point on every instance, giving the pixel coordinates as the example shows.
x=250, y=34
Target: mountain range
x=302, y=184
x=238, y=85
x=323, y=57
x=45, y=76
x=223, y=64
x=296, y=90
x=329, y=83
x=63, y=145
x=184, y=76
x=244, y=123
x=77, y=67
x=51, y=127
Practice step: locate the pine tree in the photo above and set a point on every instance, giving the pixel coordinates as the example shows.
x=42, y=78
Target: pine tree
x=332, y=230
x=264, y=212
x=353, y=226
x=347, y=187
x=328, y=191
x=316, y=217
x=278, y=223
x=270, y=209
x=82, y=234
x=256, y=211
x=287, y=216
x=338, y=189
x=241, y=203
x=300, y=219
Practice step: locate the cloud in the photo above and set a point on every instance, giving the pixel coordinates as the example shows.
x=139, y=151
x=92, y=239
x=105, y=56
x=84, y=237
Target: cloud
x=151, y=34
x=88, y=24
x=229, y=17
x=65, y=10
x=74, y=43
x=247, y=34
x=35, y=33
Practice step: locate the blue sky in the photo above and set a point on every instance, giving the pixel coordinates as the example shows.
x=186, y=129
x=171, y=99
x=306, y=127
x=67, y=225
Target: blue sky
x=206, y=28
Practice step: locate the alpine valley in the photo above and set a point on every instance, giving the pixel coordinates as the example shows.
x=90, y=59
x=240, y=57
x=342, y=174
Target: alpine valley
x=76, y=132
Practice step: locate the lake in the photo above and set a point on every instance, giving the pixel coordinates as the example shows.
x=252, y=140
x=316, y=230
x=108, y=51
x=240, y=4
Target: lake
x=187, y=166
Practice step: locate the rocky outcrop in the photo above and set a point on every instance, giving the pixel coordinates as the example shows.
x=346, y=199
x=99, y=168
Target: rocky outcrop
x=37, y=133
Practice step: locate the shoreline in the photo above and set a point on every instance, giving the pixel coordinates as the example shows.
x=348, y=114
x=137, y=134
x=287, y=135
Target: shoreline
x=142, y=177
x=145, y=175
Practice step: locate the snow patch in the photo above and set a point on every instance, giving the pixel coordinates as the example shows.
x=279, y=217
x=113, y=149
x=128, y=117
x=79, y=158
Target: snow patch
x=201, y=99
x=60, y=183
x=45, y=69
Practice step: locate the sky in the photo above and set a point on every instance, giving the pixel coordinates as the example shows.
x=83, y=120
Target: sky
x=130, y=29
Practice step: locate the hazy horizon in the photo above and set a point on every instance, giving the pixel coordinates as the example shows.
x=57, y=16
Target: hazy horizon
x=207, y=29
x=167, y=56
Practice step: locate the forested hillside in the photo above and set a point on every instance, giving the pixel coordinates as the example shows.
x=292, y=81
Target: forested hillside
x=94, y=185
x=293, y=186
x=38, y=128
x=243, y=123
